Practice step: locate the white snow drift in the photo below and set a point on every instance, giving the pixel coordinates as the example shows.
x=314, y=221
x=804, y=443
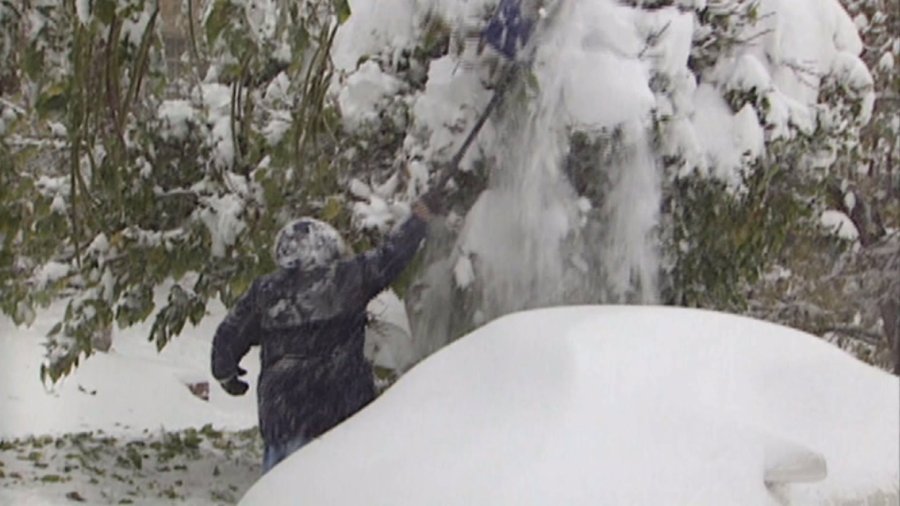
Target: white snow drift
x=613, y=405
x=134, y=387
x=129, y=389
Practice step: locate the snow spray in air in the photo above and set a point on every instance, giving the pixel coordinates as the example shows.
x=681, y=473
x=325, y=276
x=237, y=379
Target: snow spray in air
x=533, y=238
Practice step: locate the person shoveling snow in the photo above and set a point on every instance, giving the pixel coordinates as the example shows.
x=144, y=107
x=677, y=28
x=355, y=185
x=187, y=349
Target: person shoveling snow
x=309, y=316
x=309, y=319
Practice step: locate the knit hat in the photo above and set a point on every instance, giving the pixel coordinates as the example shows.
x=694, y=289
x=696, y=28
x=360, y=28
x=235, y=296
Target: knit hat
x=308, y=244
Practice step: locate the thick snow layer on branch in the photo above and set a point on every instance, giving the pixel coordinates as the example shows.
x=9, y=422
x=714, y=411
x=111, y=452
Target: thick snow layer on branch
x=839, y=224
x=788, y=54
x=613, y=405
x=261, y=14
x=723, y=136
x=610, y=54
x=886, y=62
x=49, y=273
x=177, y=116
x=749, y=73
x=83, y=10
x=222, y=217
x=135, y=28
x=364, y=91
x=216, y=98
x=376, y=214
x=452, y=100
x=373, y=28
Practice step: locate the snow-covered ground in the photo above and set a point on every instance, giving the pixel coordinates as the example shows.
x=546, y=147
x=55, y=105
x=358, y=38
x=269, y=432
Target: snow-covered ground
x=196, y=466
x=610, y=405
x=614, y=405
x=129, y=389
x=125, y=426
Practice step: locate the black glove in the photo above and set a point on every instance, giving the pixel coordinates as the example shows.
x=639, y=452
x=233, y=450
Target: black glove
x=235, y=386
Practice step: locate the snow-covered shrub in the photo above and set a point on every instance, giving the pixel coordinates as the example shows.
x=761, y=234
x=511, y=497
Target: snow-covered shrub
x=122, y=187
x=750, y=101
x=656, y=150
x=793, y=105
x=850, y=295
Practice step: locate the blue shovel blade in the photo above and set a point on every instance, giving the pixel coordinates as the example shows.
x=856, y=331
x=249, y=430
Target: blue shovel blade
x=508, y=30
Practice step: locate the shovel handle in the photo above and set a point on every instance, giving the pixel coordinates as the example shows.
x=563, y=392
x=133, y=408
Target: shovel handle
x=453, y=164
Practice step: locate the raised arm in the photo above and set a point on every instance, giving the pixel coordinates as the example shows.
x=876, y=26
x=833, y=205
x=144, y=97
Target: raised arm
x=381, y=266
x=233, y=339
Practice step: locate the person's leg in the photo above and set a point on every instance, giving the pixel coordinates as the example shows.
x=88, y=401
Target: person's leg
x=294, y=445
x=275, y=453
x=272, y=454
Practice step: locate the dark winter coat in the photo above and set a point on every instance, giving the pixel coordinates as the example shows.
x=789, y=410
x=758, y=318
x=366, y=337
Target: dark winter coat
x=311, y=328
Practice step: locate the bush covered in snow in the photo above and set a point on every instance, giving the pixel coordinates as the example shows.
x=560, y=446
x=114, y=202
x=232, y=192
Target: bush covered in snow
x=671, y=151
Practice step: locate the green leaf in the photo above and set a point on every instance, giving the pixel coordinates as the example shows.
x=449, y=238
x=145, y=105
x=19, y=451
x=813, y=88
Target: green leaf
x=105, y=10
x=158, y=333
x=342, y=7
x=134, y=457
x=332, y=209
x=53, y=99
x=197, y=311
x=55, y=330
x=136, y=306
x=273, y=193
x=217, y=20
x=33, y=62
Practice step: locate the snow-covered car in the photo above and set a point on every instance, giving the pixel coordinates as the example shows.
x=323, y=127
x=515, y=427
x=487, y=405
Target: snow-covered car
x=613, y=405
